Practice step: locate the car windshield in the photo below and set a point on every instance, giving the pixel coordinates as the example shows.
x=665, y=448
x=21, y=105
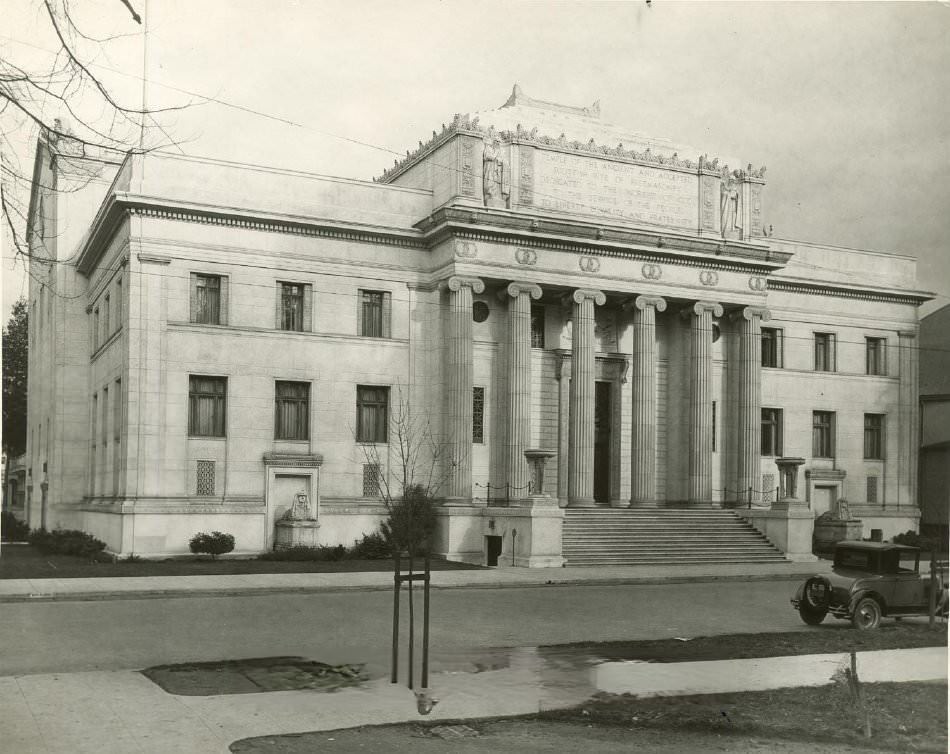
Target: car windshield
x=858, y=559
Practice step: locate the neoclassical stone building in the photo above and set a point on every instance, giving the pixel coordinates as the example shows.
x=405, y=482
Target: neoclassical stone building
x=534, y=286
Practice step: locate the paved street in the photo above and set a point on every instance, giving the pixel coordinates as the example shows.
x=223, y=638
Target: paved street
x=356, y=626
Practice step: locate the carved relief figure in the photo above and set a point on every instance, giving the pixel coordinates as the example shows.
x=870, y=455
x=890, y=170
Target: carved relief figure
x=300, y=510
x=496, y=175
x=730, y=204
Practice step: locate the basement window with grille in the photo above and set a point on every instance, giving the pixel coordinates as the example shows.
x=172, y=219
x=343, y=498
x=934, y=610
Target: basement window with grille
x=872, y=489
x=371, y=472
x=205, y=478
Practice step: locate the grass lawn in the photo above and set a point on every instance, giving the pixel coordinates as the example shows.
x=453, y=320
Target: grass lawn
x=26, y=562
x=904, y=717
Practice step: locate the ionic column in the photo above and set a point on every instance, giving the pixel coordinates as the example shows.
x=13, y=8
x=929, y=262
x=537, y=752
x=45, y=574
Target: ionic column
x=519, y=385
x=458, y=415
x=700, y=401
x=580, y=485
x=749, y=412
x=643, y=430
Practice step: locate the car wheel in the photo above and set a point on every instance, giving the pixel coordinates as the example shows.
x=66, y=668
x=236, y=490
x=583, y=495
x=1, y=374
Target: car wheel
x=811, y=615
x=867, y=614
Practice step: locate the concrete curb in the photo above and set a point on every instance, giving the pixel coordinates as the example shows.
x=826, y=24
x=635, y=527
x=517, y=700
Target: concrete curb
x=252, y=591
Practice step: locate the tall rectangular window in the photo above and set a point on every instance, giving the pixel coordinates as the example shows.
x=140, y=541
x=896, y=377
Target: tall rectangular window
x=105, y=418
x=772, y=347
x=106, y=324
x=772, y=432
x=478, y=414
x=375, y=314
x=292, y=411
x=824, y=352
x=118, y=303
x=95, y=329
x=372, y=413
x=874, y=436
x=291, y=307
x=875, y=349
x=206, y=299
x=93, y=449
x=823, y=434
x=116, y=434
x=207, y=406
x=537, y=326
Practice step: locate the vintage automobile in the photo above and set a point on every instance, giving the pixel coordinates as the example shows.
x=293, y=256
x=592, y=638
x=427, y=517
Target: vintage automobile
x=869, y=580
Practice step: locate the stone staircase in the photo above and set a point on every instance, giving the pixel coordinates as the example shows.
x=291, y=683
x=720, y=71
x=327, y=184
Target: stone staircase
x=628, y=536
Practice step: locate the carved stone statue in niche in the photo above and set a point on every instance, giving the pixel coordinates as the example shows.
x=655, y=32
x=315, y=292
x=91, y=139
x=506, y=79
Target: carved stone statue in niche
x=730, y=205
x=496, y=174
x=300, y=510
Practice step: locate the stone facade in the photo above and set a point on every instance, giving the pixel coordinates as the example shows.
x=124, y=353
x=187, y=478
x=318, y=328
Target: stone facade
x=594, y=293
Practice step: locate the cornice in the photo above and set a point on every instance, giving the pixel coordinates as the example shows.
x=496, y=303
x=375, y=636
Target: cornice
x=119, y=206
x=560, y=235
x=465, y=125
x=864, y=293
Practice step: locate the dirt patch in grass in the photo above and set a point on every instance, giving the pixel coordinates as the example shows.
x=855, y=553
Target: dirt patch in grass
x=253, y=676
x=825, y=639
x=25, y=562
x=905, y=717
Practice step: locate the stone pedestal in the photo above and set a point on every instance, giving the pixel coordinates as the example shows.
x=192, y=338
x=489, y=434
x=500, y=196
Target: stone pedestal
x=291, y=533
x=829, y=532
x=537, y=459
x=788, y=484
x=790, y=530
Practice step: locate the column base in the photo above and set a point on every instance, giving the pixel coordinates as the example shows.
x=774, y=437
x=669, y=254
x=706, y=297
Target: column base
x=644, y=504
x=789, y=503
x=581, y=502
x=456, y=502
x=703, y=504
x=619, y=503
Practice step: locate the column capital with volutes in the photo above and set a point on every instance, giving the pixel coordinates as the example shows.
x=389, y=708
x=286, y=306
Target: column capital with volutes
x=701, y=307
x=749, y=313
x=457, y=282
x=515, y=289
x=644, y=302
x=580, y=295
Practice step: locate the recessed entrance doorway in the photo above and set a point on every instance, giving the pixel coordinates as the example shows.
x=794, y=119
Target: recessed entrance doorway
x=602, y=429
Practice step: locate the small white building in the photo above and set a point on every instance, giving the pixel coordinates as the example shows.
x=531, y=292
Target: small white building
x=211, y=338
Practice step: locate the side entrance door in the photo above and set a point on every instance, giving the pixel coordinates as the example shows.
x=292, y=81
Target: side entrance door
x=602, y=413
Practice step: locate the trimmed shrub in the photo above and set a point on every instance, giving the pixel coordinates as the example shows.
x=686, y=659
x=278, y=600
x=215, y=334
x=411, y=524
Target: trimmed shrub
x=13, y=529
x=371, y=547
x=214, y=544
x=913, y=539
x=323, y=553
x=67, y=542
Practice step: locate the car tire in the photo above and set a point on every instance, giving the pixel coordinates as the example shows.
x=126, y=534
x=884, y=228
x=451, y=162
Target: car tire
x=867, y=614
x=813, y=616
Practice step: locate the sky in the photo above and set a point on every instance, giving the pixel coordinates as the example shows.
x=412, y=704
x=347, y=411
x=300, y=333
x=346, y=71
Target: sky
x=845, y=103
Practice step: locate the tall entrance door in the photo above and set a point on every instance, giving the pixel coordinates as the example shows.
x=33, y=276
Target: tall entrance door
x=602, y=414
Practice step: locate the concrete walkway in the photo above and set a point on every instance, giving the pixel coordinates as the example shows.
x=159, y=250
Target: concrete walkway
x=125, y=713
x=17, y=590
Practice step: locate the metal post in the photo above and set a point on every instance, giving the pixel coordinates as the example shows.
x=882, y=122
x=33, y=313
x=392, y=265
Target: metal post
x=425, y=628
x=933, y=588
x=394, y=673
x=412, y=627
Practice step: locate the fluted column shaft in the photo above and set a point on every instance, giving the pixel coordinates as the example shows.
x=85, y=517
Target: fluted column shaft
x=644, y=424
x=519, y=385
x=580, y=482
x=458, y=415
x=908, y=417
x=700, y=401
x=749, y=412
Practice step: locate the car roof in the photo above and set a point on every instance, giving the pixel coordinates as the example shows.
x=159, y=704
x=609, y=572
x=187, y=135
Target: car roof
x=874, y=546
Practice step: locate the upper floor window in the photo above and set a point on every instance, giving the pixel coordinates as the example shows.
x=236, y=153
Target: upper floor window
x=874, y=436
x=207, y=406
x=105, y=317
x=294, y=306
x=478, y=415
x=375, y=314
x=292, y=411
x=95, y=328
x=823, y=434
x=372, y=413
x=772, y=432
x=772, y=347
x=209, y=299
x=537, y=326
x=824, y=352
x=875, y=349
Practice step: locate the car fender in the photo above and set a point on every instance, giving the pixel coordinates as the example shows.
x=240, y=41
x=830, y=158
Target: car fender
x=861, y=594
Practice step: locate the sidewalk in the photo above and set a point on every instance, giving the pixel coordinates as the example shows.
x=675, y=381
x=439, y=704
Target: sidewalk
x=23, y=590
x=125, y=713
